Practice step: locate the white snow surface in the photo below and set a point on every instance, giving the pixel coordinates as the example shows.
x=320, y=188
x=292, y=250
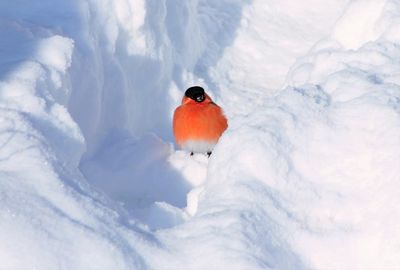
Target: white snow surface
x=305, y=177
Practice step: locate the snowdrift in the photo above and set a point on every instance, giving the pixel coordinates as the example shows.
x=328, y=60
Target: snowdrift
x=305, y=177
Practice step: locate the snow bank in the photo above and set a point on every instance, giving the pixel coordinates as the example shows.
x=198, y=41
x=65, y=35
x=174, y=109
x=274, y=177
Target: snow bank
x=350, y=157
x=49, y=216
x=315, y=169
x=305, y=177
x=271, y=36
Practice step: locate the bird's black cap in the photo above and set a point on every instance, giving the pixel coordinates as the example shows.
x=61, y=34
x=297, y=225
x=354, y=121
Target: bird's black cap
x=196, y=93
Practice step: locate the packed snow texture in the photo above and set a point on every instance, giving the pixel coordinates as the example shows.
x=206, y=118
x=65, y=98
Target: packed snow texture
x=305, y=177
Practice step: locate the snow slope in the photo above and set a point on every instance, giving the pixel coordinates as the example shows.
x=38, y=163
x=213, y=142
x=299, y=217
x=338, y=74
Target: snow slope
x=306, y=176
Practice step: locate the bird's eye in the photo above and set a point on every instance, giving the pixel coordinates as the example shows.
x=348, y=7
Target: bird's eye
x=200, y=98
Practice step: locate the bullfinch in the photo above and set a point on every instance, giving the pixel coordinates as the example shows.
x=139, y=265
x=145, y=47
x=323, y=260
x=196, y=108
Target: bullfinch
x=198, y=122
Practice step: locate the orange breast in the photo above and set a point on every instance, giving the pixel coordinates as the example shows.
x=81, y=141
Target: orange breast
x=198, y=122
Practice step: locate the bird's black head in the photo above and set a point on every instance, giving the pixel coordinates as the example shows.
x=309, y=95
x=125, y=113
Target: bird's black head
x=196, y=93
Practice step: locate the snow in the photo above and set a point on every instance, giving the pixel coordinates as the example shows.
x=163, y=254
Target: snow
x=305, y=177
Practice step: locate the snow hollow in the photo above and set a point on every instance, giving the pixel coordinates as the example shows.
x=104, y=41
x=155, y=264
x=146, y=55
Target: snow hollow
x=305, y=177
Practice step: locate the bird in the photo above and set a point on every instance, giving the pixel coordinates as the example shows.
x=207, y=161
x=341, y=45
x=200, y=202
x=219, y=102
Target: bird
x=198, y=122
